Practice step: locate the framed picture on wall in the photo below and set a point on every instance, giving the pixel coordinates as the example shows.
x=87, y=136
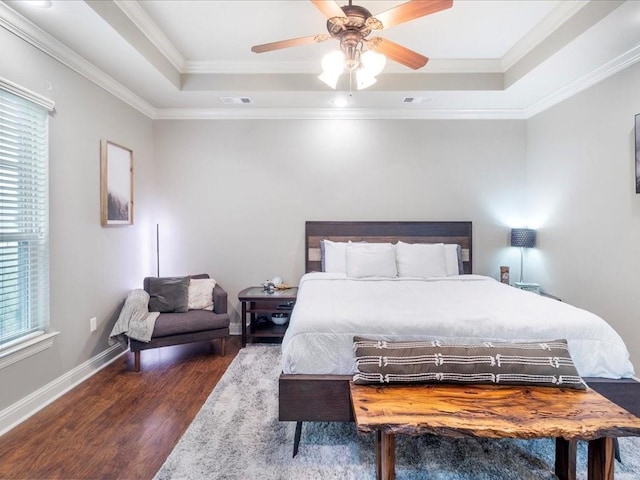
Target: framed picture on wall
x=116, y=184
x=637, y=135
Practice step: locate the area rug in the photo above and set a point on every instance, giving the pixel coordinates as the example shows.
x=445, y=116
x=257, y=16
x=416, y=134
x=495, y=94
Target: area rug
x=237, y=435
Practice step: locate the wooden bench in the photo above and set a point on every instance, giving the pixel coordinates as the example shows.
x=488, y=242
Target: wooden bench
x=495, y=412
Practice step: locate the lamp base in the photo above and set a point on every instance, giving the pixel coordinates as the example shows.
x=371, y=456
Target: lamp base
x=529, y=287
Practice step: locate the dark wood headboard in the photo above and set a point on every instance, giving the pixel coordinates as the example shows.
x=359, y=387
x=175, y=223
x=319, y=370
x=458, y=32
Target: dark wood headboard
x=408, y=232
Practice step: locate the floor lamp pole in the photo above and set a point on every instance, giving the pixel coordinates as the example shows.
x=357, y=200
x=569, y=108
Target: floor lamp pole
x=158, y=249
x=521, y=264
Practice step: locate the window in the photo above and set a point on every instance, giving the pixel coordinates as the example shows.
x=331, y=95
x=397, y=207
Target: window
x=24, y=214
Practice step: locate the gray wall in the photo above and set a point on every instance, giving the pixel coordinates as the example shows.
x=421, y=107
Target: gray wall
x=235, y=194
x=581, y=178
x=92, y=267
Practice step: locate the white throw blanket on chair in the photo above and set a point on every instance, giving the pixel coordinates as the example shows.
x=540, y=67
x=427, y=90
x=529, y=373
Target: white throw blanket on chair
x=135, y=320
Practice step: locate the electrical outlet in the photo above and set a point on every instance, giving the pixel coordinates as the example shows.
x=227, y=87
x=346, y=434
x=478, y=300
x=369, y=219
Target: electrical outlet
x=93, y=324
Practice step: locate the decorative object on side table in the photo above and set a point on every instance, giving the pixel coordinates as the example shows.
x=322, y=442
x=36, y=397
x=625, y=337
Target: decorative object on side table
x=276, y=283
x=269, y=307
x=504, y=275
x=280, y=318
x=268, y=287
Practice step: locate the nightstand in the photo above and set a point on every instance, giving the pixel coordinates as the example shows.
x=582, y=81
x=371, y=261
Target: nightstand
x=548, y=295
x=260, y=305
x=535, y=288
x=529, y=287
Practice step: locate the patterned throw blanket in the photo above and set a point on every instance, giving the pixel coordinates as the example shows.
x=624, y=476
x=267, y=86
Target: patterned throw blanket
x=135, y=320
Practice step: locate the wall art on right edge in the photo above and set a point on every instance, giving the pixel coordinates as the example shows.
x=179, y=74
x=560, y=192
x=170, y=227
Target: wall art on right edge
x=637, y=135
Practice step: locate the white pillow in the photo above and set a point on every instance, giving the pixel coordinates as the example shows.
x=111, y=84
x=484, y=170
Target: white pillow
x=201, y=293
x=421, y=260
x=451, y=259
x=371, y=260
x=335, y=260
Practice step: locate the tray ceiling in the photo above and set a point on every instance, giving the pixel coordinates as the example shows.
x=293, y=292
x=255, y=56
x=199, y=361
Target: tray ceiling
x=186, y=59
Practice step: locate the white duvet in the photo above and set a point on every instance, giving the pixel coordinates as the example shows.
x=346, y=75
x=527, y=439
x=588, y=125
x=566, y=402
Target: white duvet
x=331, y=309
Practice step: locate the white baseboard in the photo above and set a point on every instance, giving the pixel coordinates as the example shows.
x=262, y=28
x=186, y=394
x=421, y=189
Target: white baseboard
x=29, y=405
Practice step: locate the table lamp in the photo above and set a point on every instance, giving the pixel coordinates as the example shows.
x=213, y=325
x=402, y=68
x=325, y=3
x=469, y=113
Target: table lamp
x=523, y=238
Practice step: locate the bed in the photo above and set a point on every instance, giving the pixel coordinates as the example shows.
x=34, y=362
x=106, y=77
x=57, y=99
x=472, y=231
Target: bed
x=315, y=386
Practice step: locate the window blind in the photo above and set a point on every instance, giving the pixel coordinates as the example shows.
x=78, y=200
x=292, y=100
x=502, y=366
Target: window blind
x=24, y=217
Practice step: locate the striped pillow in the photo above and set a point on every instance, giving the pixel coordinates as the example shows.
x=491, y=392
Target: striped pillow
x=536, y=364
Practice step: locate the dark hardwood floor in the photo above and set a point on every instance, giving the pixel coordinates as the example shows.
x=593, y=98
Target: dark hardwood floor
x=118, y=424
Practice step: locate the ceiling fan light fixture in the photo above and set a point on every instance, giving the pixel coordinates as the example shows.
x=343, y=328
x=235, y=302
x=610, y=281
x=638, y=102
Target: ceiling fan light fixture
x=364, y=79
x=333, y=63
x=351, y=25
x=329, y=79
x=373, y=62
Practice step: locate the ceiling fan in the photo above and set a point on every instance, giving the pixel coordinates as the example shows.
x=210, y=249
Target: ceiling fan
x=352, y=25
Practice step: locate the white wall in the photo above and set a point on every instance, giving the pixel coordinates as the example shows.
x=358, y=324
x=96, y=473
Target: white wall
x=581, y=179
x=235, y=194
x=92, y=267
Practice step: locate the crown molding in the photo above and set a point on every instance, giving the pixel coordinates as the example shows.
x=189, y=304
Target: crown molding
x=212, y=66
x=464, y=65
x=435, y=65
x=558, y=16
x=34, y=35
x=588, y=80
x=27, y=94
x=241, y=113
x=154, y=34
x=335, y=113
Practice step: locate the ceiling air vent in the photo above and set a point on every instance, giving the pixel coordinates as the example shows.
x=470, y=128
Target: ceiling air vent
x=235, y=100
x=412, y=100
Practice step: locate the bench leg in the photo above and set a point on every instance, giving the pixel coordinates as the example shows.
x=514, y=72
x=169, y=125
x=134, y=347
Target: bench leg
x=296, y=438
x=566, y=451
x=600, y=464
x=223, y=344
x=136, y=361
x=385, y=456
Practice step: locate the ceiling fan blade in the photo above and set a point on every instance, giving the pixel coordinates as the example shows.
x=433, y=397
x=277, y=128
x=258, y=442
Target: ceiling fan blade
x=329, y=8
x=411, y=10
x=292, y=42
x=398, y=53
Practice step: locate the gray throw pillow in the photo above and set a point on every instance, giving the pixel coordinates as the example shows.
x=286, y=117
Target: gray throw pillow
x=545, y=363
x=169, y=294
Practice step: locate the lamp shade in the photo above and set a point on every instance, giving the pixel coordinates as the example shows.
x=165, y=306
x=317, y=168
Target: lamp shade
x=364, y=80
x=333, y=63
x=373, y=62
x=330, y=79
x=523, y=237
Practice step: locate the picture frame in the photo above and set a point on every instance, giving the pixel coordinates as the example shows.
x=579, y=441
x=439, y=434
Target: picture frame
x=504, y=274
x=116, y=184
x=637, y=151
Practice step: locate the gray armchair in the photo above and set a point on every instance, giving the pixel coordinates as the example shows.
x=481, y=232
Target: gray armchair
x=187, y=327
